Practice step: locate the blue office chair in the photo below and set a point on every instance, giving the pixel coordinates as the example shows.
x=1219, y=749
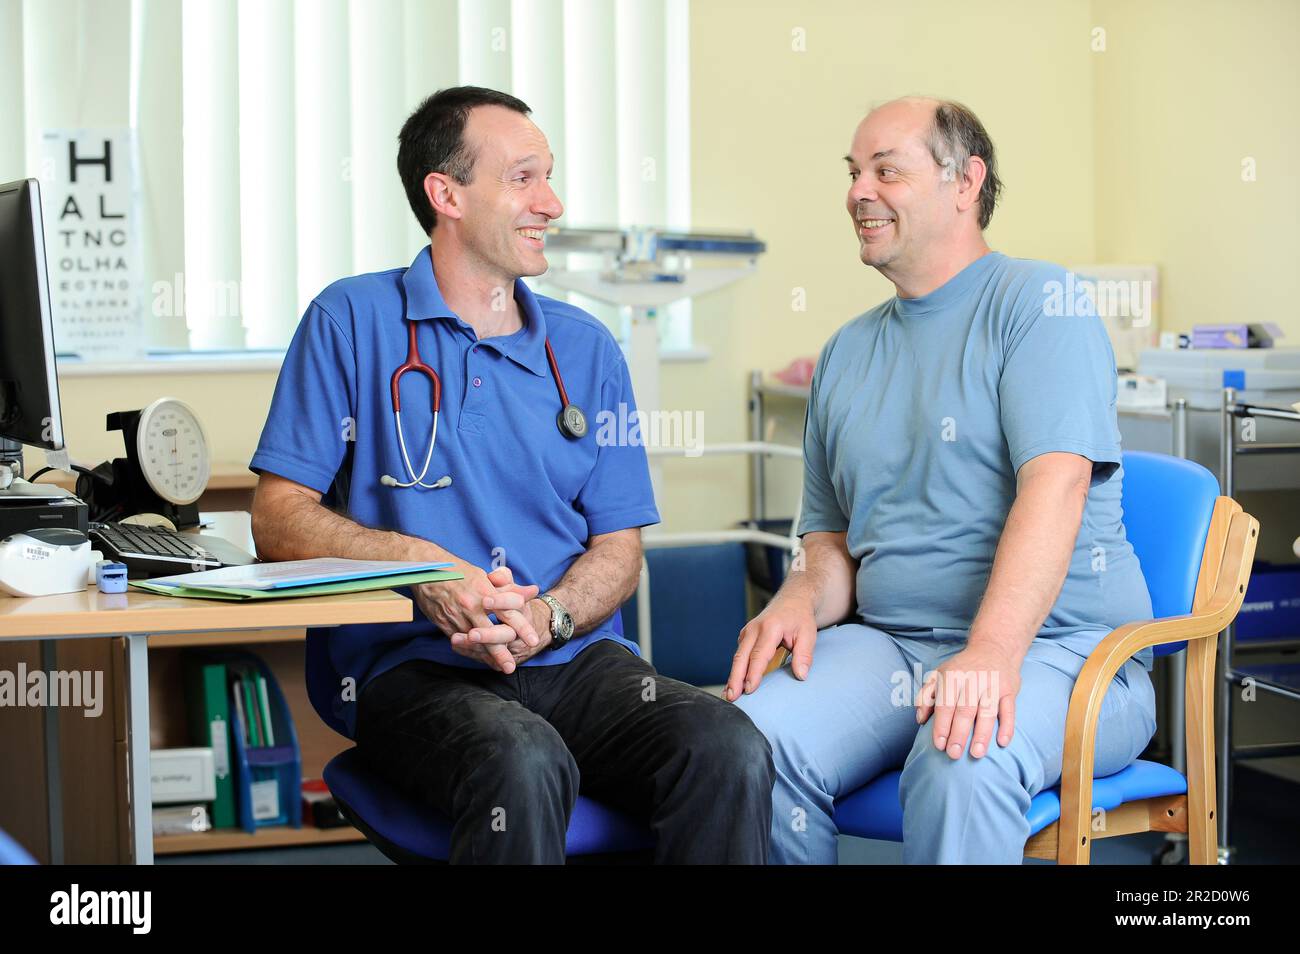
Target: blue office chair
x=697, y=606
x=12, y=853
x=407, y=832
x=1196, y=550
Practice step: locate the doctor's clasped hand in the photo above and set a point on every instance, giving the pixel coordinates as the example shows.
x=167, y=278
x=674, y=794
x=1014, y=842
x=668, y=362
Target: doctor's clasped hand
x=463, y=609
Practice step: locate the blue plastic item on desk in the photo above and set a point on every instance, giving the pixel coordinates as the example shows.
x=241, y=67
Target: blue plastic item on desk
x=110, y=577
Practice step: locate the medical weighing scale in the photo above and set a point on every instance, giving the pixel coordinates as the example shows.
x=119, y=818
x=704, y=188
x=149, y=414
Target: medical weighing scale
x=641, y=271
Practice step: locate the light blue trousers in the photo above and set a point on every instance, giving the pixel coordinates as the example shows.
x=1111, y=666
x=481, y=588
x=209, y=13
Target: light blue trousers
x=854, y=718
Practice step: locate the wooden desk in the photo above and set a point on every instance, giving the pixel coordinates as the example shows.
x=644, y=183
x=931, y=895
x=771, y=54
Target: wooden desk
x=135, y=616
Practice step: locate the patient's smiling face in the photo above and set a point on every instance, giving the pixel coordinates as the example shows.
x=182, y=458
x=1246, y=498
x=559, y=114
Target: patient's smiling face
x=899, y=201
x=509, y=201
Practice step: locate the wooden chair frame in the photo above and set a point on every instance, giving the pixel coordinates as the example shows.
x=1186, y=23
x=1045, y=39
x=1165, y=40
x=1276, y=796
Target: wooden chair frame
x=1220, y=590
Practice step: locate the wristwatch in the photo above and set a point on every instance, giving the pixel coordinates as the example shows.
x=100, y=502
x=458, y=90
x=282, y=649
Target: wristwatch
x=561, y=621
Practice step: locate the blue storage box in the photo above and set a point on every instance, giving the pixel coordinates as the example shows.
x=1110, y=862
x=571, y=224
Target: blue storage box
x=1271, y=610
x=268, y=778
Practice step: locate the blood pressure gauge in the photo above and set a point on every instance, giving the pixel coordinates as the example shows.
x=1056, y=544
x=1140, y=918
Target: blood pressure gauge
x=172, y=451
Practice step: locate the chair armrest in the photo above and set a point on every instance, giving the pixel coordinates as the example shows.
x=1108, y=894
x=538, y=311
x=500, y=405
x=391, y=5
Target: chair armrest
x=1216, y=612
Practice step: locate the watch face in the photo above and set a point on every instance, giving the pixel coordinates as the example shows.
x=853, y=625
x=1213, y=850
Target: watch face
x=561, y=621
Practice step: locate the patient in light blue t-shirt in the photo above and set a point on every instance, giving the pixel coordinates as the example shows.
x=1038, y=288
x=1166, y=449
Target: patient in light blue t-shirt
x=963, y=542
x=923, y=410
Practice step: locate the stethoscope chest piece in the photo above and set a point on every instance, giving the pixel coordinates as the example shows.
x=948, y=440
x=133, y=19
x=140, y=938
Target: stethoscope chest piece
x=572, y=422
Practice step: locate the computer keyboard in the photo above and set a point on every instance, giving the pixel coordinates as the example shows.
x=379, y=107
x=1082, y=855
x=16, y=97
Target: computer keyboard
x=156, y=551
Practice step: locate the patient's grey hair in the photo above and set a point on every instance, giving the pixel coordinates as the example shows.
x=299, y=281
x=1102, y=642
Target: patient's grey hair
x=956, y=135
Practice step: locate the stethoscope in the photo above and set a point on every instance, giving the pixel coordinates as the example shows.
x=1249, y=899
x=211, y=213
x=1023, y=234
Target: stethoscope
x=571, y=421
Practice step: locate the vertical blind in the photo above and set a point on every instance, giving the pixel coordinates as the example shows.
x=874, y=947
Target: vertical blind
x=267, y=129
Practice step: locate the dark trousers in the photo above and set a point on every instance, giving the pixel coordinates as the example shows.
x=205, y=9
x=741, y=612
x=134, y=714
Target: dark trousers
x=505, y=756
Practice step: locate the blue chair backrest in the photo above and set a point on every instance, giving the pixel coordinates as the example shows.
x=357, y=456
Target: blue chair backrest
x=697, y=608
x=1167, y=505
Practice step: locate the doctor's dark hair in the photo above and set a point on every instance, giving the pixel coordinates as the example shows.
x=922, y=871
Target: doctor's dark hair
x=433, y=140
x=956, y=135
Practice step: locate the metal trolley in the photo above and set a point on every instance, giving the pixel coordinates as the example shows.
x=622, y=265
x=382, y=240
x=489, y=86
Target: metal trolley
x=1283, y=681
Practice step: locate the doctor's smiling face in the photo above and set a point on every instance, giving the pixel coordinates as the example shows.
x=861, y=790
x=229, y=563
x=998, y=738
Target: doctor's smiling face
x=476, y=171
x=508, y=202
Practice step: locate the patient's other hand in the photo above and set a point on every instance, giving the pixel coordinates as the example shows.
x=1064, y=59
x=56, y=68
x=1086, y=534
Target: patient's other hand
x=787, y=621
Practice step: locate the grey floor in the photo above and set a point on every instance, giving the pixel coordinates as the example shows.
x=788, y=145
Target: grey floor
x=1264, y=832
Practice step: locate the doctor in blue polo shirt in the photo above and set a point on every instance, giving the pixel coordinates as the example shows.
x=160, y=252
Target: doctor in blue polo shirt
x=514, y=688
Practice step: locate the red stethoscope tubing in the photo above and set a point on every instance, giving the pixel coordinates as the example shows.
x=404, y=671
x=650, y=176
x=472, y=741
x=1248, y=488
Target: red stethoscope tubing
x=555, y=373
x=415, y=363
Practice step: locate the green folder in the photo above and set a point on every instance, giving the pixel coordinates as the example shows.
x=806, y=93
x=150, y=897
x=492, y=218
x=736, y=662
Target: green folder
x=209, y=716
x=317, y=589
x=255, y=738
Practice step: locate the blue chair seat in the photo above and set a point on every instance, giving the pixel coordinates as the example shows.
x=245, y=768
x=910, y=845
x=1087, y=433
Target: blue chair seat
x=12, y=853
x=873, y=811
x=389, y=813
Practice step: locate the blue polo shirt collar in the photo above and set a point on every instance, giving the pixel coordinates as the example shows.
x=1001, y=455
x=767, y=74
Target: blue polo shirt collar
x=526, y=347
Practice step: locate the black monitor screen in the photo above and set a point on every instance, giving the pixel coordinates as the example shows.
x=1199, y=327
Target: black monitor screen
x=29, y=387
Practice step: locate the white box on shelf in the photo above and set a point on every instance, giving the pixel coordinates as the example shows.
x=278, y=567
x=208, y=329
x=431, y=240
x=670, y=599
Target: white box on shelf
x=182, y=775
x=1140, y=392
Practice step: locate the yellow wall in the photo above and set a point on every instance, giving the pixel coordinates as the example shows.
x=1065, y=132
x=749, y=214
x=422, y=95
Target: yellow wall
x=232, y=408
x=1131, y=154
x=1187, y=90
x=770, y=126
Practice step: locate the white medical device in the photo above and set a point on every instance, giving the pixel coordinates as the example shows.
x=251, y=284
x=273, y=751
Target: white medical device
x=47, y=560
x=642, y=270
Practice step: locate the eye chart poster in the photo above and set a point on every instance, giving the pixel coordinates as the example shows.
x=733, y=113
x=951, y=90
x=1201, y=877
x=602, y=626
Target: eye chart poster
x=92, y=211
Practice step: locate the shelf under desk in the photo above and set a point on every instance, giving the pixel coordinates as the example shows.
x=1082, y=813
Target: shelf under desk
x=139, y=620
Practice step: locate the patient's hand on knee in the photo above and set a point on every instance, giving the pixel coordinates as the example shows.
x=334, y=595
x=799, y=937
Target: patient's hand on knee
x=977, y=687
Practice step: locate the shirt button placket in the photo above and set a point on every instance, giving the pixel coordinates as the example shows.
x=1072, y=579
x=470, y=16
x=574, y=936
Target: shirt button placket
x=472, y=408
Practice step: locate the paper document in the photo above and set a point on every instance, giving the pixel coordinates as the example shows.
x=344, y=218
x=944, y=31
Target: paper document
x=278, y=576
x=287, y=592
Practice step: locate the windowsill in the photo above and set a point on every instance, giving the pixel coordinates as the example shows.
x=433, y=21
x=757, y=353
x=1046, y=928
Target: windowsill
x=251, y=362
x=225, y=362
x=684, y=355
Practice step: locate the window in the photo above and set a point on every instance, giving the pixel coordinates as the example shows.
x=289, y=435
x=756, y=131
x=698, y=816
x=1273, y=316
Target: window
x=266, y=131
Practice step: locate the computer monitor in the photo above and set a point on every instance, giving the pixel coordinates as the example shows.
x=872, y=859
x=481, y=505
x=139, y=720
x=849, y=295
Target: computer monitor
x=29, y=383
